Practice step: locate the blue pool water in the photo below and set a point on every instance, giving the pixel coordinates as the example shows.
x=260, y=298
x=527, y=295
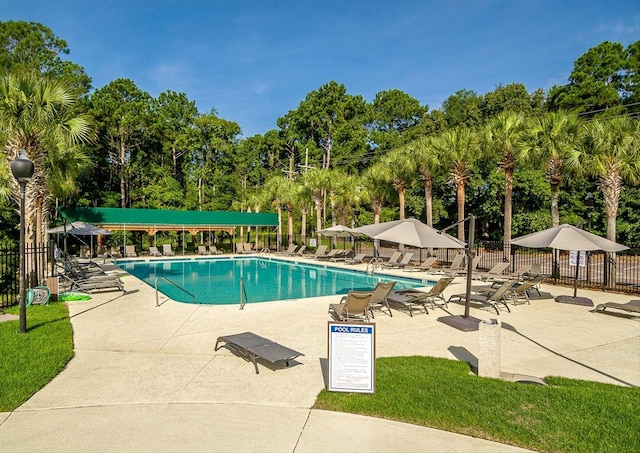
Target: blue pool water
x=217, y=280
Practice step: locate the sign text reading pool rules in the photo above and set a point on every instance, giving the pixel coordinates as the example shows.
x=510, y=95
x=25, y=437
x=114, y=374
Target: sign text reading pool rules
x=352, y=357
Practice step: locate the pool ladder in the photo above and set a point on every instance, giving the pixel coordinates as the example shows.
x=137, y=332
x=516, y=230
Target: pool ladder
x=374, y=264
x=243, y=291
x=174, y=284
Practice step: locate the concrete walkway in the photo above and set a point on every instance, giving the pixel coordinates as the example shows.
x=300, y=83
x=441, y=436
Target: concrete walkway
x=147, y=378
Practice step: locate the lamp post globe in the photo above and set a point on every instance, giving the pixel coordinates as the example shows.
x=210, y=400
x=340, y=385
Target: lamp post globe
x=22, y=169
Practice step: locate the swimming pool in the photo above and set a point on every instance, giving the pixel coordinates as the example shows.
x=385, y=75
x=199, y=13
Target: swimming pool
x=217, y=280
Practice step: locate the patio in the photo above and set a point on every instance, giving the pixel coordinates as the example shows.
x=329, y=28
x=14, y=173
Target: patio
x=148, y=374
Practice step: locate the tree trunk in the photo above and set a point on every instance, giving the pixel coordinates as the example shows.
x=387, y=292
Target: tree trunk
x=279, y=233
x=401, y=201
x=508, y=191
x=460, y=197
x=318, y=202
x=611, y=186
x=290, y=223
x=555, y=215
x=428, y=200
x=303, y=228
x=123, y=199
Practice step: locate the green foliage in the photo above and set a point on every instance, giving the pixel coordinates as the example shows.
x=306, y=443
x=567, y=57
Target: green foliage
x=508, y=98
x=31, y=360
x=395, y=119
x=30, y=46
x=442, y=394
x=601, y=79
x=464, y=108
x=628, y=225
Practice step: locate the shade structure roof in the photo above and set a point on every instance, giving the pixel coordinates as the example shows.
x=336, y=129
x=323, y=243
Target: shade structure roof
x=568, y=237
x=152, y=220
x=410, y=232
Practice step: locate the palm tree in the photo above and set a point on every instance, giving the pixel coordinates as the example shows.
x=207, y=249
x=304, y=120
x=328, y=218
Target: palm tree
x=317, y=182
x=349, y=195
x=425, y=155
x=41, y=116
x=611, y=152
x=375, y=184
x=457, y=149
x=552, y=140
x=505, y=135
x=400, y=168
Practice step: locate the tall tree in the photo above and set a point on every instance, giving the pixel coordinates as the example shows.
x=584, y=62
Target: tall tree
x=333, y=120
x=551, y=140
x=631, y=85
x=124, y=114
x=30, y=46
x=175, y=115
x=513, y=97
x=458, y=150
x=596, y=83
x=400, y=168
x=40, y=116
x=317, y=183
x=425, y=155
x=611, y=152
x=463, y=108
x=395, y=119
x=375, y=183
x=505, y=137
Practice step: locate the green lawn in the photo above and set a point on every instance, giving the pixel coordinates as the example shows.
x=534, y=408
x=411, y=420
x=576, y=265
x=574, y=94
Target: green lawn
x=28, y=361
x=566, y=416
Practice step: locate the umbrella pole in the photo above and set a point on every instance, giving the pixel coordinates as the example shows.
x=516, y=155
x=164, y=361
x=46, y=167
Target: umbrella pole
x=470, y=252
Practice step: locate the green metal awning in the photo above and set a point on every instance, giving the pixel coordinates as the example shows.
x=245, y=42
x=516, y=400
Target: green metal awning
x=158, y=219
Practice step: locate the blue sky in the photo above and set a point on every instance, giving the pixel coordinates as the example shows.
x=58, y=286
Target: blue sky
x=254, y=60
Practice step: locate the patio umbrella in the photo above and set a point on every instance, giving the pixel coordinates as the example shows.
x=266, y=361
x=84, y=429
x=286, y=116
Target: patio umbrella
x=80, y=229
x=411, y=232
x=339, y=231
x=568, y=237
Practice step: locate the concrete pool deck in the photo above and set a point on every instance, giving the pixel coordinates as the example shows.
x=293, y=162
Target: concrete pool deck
x=147, y=378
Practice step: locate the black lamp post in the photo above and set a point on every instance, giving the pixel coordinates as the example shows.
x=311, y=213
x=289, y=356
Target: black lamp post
x=22, y=169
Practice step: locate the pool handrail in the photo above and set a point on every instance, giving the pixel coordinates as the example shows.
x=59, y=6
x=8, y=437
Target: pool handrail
x=243, y=290
x=174, y=284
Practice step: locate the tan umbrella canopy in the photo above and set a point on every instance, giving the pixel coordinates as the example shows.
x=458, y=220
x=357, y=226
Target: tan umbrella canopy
x=411, y=232
x=79, y=229
x=568, y=237
x=339, y=231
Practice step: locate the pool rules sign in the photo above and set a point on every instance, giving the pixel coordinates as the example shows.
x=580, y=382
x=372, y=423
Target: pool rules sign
x=352, y=355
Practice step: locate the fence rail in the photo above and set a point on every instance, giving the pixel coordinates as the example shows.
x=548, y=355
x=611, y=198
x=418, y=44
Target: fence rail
x=37, y=268
x=621, y=275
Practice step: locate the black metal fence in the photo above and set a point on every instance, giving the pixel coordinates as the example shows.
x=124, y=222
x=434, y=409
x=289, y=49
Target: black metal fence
x=618, y=272
x=37, y=266
x=601, y=271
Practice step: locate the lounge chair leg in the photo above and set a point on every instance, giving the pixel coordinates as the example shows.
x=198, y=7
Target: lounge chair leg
x=253, y=359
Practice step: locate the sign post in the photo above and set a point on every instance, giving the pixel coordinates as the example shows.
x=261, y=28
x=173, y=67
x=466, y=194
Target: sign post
x=352, y=357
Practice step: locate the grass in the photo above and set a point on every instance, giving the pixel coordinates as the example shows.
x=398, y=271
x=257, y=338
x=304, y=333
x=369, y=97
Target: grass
x=566, y=416
x=29, y=361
